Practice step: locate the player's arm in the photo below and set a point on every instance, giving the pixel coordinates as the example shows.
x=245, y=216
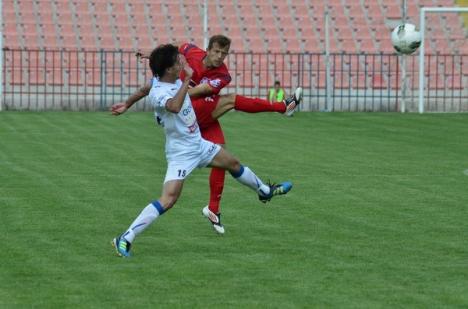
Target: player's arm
x=122, y=107
x=201, y=90
x=145, y=54
x=214, y=86
x=174, y=105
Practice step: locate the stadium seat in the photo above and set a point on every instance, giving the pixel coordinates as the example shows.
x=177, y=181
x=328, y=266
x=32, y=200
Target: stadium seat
x=274, y=44
x=69, y=41
x=367, y=46
x=348, y=45
x=144, y=43
x=51, y=41
x=86, y=29
x=12, y=40
x=196, y=31
x=15, y=76
x=54, y=77
x=272, y=26
x=10, y=28
x=126, y=42
x=87, y=42
x=292, y=45
x=256, y=45
x=392, y=10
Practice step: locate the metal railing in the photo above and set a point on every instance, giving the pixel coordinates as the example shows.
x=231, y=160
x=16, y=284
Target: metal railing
x=94, y=80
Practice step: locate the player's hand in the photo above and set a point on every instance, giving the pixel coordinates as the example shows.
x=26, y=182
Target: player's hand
x=187, y=69
x=141, y=55
x=118, y=109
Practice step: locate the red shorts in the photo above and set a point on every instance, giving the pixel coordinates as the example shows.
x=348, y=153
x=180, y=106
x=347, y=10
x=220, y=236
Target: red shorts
x=210, y=128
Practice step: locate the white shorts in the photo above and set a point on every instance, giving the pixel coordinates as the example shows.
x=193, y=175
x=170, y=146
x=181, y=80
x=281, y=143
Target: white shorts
x=180, y=169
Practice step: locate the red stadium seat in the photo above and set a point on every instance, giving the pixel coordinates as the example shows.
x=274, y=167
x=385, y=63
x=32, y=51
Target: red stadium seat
x=348, y=45
x=106, y=42
x=392, y=10
x=126, y=42
x=367, y=46
x=87, y=42
x=51, y=41
x=274, y=44
x=144, y=43
x=16, y=76
x=256, y=45
x=292, y=45
x=54, y=77
x=249, y=22
x=11, y=40
x=10, y=29
x=69, y=41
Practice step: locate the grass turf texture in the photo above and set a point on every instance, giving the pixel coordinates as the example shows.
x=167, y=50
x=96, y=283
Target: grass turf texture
x=376, y=218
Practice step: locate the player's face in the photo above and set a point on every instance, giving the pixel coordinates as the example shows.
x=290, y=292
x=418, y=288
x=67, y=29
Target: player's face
x=176, y=68
x=215, y=55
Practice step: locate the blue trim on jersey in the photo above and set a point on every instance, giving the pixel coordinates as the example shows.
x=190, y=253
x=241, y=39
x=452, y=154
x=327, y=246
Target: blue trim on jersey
x=141, y=224
x=239, y=173
x=158, y=207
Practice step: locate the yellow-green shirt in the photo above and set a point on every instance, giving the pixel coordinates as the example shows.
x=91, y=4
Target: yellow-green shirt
x=276, y=96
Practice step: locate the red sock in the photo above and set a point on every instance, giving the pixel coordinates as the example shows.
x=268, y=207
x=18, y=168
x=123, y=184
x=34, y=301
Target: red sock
x=216, y=188
x=256, y=105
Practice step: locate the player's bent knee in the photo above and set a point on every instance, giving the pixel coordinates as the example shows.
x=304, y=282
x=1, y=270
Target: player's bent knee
x=169, y=200
x=235, y=165
x=228, y=99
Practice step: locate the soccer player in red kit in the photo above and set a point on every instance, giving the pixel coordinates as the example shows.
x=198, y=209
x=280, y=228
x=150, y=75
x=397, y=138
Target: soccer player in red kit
x=210, y=75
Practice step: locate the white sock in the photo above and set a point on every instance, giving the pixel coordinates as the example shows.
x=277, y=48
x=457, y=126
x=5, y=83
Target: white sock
x=146, y=217
x=248, y=178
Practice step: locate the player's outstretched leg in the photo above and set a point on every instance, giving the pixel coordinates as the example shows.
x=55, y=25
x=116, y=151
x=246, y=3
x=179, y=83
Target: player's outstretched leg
x=247, y=177
x=123, y=242
x=265, y=191
x=122, y=246
x=256, y=105
x=293, y=101
x=215, y=220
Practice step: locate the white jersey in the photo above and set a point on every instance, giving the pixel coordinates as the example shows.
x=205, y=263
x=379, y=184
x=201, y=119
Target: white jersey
x=183, y=136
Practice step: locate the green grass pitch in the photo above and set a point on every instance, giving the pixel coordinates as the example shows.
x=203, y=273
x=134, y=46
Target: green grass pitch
x=377, y=216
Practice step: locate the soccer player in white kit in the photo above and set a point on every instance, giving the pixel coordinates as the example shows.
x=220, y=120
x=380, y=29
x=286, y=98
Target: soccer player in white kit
x=185, y=148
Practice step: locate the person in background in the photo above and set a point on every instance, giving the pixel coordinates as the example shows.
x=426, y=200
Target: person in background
x=276, y=94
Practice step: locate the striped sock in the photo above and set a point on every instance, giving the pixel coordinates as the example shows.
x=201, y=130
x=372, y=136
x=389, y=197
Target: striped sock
x=146, y=217
x=248, y=178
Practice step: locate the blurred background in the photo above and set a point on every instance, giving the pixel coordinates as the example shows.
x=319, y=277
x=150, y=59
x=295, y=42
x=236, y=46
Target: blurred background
x=79, y=54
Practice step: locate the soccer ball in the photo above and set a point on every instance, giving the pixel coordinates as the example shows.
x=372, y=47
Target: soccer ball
x=406, y=39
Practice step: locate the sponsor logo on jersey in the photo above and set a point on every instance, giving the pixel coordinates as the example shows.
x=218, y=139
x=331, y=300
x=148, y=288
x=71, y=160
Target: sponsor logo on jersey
x=192, y=128
x=187, y=110
x=215, y=82
x=212, y=148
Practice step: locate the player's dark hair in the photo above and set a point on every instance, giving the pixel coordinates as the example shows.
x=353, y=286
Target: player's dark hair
x=162, y=58
x=222, y=41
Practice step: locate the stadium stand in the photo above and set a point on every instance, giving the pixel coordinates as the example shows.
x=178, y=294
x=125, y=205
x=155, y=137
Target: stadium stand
x=124, y=24
x=271, y=28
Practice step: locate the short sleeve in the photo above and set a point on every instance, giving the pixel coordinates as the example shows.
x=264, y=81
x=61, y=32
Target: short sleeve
x=219, y=82
x=159, y=99
x=184, y=48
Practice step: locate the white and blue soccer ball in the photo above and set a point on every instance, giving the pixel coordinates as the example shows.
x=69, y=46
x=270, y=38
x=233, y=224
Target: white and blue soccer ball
x=406, y=39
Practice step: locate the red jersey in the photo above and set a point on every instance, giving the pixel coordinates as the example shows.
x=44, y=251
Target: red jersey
x=216, y=78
